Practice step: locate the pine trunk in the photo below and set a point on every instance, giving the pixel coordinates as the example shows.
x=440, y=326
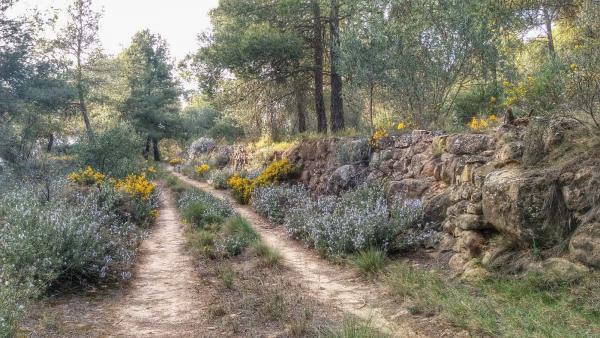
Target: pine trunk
x=337, y=104
x=318, y=70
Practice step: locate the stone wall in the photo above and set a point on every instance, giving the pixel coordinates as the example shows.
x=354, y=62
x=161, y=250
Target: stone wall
x=475, y=187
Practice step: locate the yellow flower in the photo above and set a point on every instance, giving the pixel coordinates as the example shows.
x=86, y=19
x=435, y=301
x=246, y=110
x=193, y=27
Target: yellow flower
x=493, y=118
x=573, y=67
x=175, y=162
x=202, y=169
x=87, y=176
x=137, y=186
x=401, y=125
x=506, y=83
x=483, y=123
x=474, y=123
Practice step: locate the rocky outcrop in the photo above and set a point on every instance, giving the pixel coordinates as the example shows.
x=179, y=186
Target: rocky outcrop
x=473, y=186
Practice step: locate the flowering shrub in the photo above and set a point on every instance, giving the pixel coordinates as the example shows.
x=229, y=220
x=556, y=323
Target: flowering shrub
x=273, y=201
x=277, y=171
x=79, y=235
x=137, y=186
x=378, y=135
x=357, y=220
x=175, y=162
x=87, y=177
x=202, y=145
x=202, y=169
x=478, y=124
x=201, y=209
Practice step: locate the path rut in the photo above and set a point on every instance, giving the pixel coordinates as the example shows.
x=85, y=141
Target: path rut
x=162, y=300
x=335, y=285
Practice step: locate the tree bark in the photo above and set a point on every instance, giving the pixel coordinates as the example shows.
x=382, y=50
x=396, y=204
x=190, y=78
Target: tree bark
x=81, y=94
x=155, y=149
x=337, y=103
x=50, y=142
x=548, y=23
x=318, y=70
x=146, y=151
x=301, y=108
x=371, y=89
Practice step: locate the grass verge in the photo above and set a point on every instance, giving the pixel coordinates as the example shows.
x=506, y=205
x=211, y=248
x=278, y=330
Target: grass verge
x=530, y=306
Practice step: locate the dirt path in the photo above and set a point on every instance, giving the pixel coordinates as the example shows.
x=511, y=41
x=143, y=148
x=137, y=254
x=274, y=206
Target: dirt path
x=332, y=284
x=162, y=300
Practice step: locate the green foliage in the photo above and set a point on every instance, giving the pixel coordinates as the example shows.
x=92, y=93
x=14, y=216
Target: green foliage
x=476, y=101
x=237, y=235
x=116, y=151
x=202, y=209
x=269, y=257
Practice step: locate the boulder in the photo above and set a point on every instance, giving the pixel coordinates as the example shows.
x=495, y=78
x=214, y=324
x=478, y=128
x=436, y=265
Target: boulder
x=522, y=205
x=353, y=152
x=469, y=144
x=585, y=244
x=510, y=151
x=408, y=188
x=343, y=178
x=434, y=209
x=469, y=222
x=559, y=269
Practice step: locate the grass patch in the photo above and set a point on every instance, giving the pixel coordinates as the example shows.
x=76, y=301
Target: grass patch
x=515, y=307
x=237, y=235
x=227, y=275
x=369, y=262
x=269, y=257
x=354, y=328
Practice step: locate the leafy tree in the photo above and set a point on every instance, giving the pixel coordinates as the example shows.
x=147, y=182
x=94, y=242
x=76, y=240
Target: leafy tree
x=151, y=102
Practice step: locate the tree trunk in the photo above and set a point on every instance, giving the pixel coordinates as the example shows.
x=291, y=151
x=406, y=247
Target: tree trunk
x=337, y=103
x=155, y=149
x=318, y=71
x=548, y=23
x=146, y=151
x=50, y=142
x=301, y=108
x=371, y=89
x=80, y=93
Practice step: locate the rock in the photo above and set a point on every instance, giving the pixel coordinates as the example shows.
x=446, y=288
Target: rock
x=469, y=222
x=468, y=144
x=513, y=203
x=470, y=243
x=585, y=244
x=474, y=272
x=408, y=188
x=353, y=152
x=559, y=269
x=200, y=146
x=434, y=209
x=458, y=261
x=510, y=151
x=474, y=209
x=580, y=194
x=343, y=178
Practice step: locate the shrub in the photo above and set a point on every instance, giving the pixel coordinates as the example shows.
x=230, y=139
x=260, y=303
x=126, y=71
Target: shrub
x=358, y=220
x=237, y=234
x=117, y=151
x=202, y=170
x=87, y=176
x=202, y=145
x=219, y=178
x=277, y=171
x=137, y=186
x=270, y=257
x=273, y=201
x=175, y=162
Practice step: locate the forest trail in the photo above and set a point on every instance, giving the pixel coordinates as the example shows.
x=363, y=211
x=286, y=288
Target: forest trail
x=163, y=300
x=335, y=285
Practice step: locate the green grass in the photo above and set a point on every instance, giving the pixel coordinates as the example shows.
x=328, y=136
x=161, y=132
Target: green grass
x=369, y=262
x=269, y=257
x=531, y=306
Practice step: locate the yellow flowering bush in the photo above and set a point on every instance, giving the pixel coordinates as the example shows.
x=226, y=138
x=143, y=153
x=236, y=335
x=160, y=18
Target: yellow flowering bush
x=87, y=176
x=378, y=135
x=243, y=187
x=202, y=169
x=401, y=126
x=175, y=162
x=137, y=186
x=478, y=124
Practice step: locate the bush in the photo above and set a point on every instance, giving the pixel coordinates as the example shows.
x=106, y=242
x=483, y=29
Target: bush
x=218, y=178
x=275, y=172
x=358, y=220
x=117, y=151
x=237, y=235
x=369, y=262
x=200, y=146
x=273, y=201
x=227, y=130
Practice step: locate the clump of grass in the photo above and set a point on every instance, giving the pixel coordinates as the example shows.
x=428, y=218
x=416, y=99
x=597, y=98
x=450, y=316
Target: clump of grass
x=215, y=311
x=269, y=257
x=504, y=306
x=275, y=307
x=227, y=275
x=369, y=262
x=354, y=328
x=237, y=234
